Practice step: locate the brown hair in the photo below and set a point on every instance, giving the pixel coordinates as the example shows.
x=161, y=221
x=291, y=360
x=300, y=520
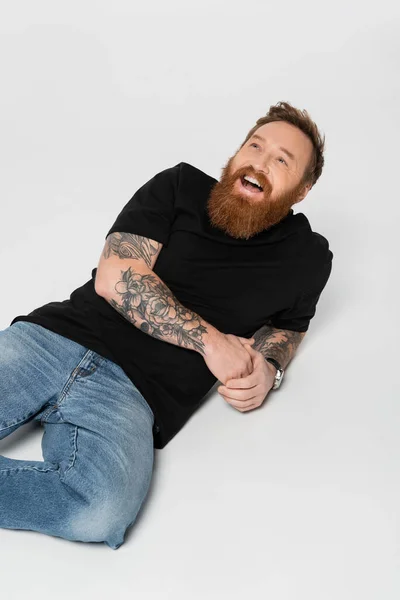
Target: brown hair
x=283, y=111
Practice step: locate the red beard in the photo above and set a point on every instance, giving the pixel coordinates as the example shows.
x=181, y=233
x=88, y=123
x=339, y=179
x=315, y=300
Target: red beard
x=243, y=215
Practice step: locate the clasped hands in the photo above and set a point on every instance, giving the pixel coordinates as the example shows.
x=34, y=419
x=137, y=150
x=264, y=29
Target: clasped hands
x=246, y=376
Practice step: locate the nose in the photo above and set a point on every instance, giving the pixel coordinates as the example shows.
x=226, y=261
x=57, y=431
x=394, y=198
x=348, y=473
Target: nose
x=261, y=167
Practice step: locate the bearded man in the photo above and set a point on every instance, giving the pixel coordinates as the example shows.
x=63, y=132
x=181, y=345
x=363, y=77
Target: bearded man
x=199, y=280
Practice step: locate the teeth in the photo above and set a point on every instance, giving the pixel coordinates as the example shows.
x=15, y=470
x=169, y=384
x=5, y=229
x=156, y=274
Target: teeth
x=252, y=180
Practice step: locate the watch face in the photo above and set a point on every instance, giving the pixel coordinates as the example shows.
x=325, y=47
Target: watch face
x=278, y=378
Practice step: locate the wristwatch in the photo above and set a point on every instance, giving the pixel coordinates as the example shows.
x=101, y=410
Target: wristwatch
x=279, y=372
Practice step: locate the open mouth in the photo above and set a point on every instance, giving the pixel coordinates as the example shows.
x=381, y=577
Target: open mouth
x=248, y=187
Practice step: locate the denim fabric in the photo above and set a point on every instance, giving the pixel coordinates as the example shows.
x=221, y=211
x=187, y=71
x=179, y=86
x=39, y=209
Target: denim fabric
x=97, y=444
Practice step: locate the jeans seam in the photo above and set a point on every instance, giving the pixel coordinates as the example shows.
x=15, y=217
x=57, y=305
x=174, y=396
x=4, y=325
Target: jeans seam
x=16, y=469
x=28, y=416
x=73, y=435
x=149, y=410
x=72, y=377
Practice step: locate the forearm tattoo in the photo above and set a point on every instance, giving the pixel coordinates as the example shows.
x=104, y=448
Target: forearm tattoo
x=277, y=343
x=128, y=245
x=144, y=299
x=148, y=303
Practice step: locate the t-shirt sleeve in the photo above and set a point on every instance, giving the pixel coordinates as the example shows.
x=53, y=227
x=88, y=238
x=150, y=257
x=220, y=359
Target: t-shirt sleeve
x=150, y=211
x=298, y=316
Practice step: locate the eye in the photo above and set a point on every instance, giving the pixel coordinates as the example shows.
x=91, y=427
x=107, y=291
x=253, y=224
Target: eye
x=279, y=158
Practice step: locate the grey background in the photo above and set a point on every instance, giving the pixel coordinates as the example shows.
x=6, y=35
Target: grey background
x=299, y=499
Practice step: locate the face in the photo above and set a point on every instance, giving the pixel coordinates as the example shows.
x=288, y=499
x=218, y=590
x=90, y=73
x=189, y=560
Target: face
x=242, y=210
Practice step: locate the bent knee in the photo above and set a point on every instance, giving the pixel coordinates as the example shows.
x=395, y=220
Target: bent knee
x=105, y=521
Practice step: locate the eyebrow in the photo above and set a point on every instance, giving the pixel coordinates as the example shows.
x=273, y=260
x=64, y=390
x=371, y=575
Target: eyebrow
x=290, y=155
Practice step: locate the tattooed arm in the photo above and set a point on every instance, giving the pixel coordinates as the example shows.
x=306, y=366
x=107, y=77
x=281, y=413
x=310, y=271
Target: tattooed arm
x=126, y=280
x=251, y=391
x=277, y=343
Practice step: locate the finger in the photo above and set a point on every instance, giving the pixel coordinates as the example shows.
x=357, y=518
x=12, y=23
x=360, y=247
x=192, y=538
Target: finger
x=246, y=341
x=246, y=409
x=247, y=382
x=242, y=405
x=239, y=393
x=252, y=407
x=251, y=350
x=239, y=396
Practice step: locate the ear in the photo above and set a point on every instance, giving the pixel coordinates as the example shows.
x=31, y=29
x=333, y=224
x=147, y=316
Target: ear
x=304, y=193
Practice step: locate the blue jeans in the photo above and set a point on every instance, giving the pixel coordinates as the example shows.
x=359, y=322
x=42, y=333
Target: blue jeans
x=97, y=444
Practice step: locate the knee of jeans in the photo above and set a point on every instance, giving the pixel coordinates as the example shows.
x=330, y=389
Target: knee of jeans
x=103, y=521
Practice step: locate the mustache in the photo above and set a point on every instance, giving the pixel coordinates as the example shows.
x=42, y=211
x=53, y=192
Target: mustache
x=251, y=172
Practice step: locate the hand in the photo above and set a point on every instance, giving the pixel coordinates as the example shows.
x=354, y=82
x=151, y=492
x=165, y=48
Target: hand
x=227, y=357
x=250, y=392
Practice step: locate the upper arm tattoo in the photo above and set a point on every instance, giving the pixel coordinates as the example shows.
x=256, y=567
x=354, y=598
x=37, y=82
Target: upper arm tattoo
x=129, y=245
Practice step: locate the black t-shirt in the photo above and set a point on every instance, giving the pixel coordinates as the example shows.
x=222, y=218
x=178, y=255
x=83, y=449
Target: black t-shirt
x=275, y=277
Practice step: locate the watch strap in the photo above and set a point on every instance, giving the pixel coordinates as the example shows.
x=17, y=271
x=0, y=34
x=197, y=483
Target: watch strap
x=278, y=374
x=275, y=363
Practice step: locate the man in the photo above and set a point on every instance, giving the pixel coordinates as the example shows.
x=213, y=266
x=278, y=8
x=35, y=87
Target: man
x=191, y=269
